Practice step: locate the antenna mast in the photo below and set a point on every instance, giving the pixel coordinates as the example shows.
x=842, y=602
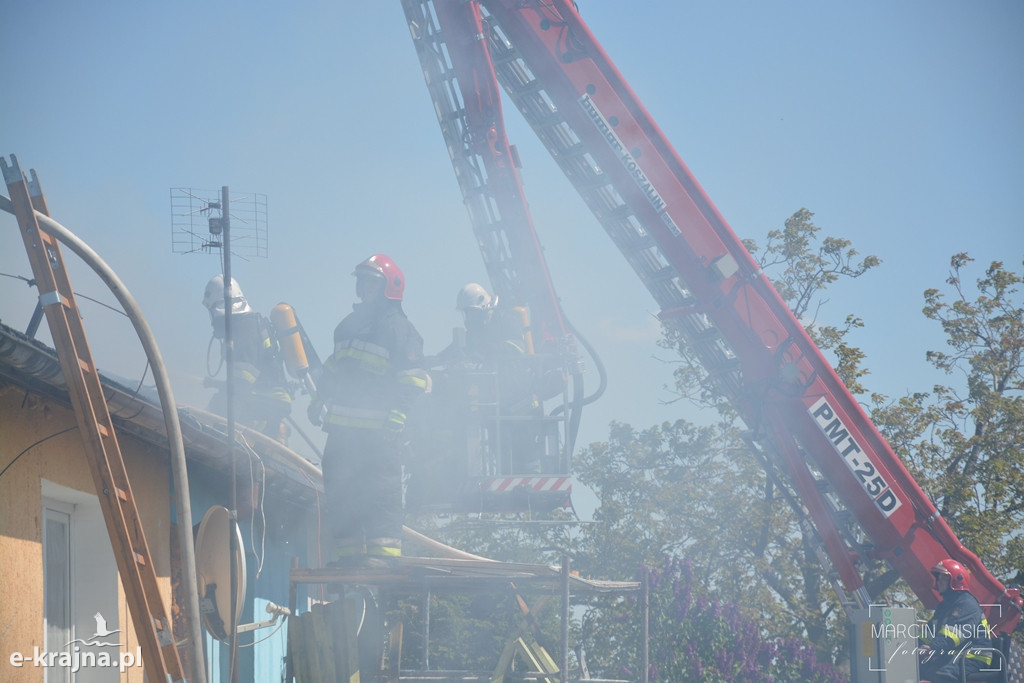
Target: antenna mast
x=192, y=212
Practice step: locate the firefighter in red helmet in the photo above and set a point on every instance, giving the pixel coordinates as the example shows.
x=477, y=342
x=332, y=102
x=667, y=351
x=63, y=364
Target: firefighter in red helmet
x=958, y=633
x=364, y=394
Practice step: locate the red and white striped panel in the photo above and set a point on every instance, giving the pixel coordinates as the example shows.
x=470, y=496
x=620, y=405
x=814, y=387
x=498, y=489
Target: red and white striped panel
x=532, y=483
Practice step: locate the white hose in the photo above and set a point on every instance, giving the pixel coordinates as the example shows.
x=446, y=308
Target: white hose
x=170, y=411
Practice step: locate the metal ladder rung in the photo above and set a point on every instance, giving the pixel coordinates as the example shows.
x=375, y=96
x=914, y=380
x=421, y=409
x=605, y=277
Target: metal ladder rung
x=51, y=298
x=163, y=634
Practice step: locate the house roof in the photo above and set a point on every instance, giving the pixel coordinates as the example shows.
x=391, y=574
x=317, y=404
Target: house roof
x=28, y=363
x=33, y=366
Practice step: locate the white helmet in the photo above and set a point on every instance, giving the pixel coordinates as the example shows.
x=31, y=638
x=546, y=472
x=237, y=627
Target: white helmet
x=213, y=297
x=474, y=297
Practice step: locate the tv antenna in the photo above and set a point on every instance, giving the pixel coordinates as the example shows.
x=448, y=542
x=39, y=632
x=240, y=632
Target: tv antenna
x=199, y=219
x=203, y=221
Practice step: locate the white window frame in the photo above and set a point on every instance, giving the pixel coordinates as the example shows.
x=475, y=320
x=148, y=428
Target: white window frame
x=92, y=574
x=55, y=510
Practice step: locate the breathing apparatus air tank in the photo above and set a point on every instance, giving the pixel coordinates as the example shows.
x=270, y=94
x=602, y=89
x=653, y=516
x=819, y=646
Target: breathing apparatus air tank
x=292, y=348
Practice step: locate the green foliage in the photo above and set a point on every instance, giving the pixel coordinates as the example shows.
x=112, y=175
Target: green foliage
x=467, y=633
x=767, y=552
x=801, y=266
x=801, y=269
x=740, y=593
x=683, y=491
x=698, y=637
x=964, y=442
x=470, y=632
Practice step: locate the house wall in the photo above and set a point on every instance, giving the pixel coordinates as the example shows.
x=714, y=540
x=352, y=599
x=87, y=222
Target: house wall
x=44, y=433
x=272, y=534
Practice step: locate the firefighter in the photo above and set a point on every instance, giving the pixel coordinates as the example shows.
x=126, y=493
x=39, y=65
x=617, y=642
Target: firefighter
x=491, y=331
x=495, y=342
x=366, y=389
x=261, y=393
x=958, y=633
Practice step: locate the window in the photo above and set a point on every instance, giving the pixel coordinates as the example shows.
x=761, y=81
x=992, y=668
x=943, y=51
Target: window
x=59, y=631
x=79, y=583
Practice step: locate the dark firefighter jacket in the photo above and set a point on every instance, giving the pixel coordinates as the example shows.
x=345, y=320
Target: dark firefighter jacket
x=960, y=629
x=261, y=388
x=374, y=374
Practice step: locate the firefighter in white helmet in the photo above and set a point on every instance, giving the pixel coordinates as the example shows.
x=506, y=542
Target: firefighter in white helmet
x=495, y=343
x=365, y=392
x=260, y=388
x=490, y=330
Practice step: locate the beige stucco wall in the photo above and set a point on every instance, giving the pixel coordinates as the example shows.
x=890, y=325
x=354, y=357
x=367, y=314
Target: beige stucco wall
x=27, y=419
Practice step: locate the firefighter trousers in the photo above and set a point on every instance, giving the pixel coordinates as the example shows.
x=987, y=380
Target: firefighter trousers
x=363, y=488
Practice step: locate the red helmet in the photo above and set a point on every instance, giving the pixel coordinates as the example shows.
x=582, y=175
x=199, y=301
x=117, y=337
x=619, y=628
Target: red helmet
x=959, y=577
x=380, y=265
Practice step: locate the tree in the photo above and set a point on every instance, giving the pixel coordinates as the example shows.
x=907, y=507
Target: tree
x=701, y=637
x=734, y=522
x=801, y=271
x=700, y=495
x=800, y=268
x=964, y=441
x=685, y=491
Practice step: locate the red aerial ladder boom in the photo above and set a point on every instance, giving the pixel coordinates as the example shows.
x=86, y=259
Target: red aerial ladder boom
x=708, y=286
x=467, y=101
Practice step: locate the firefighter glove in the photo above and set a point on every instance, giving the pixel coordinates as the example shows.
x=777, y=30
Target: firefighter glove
x=394, y=425
x=315, y=411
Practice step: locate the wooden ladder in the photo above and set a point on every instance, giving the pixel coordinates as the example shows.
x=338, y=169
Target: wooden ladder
x=134, y=563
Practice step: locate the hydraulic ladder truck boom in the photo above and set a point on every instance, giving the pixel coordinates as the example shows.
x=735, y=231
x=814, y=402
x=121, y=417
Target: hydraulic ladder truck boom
x=708, y=286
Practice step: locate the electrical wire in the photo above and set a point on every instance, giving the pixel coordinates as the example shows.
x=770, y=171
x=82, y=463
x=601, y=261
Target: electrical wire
x=262, y=492
x=135, y=395
x=45, y=438
x=79, y=295
x=168, y=407
x=145, y=371
x=267, y=637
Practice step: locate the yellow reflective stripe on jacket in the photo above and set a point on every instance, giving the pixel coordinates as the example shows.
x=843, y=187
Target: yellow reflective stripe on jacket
x=384, y=547
x=951, y=634
x=276, y=394
x=246, y=372
x=416, y=378
x=371, y=357
x=983, y=658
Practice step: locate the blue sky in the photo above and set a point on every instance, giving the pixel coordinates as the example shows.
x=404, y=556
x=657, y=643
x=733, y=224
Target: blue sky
x=899, y=124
